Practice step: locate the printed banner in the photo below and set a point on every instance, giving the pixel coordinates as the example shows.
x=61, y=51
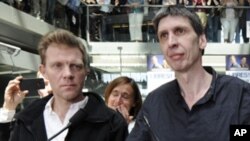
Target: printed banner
x=244, y=75
x=156, y=79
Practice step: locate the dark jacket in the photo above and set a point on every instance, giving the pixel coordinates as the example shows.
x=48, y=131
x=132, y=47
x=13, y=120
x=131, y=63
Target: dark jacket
x=99, y=124
x=165, y=115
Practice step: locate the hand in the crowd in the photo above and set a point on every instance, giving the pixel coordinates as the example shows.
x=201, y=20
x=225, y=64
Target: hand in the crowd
x=125, y=113
x=117, y=2
x=13, y=95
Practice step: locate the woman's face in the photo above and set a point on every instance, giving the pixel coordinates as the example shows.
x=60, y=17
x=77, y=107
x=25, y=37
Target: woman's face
x=121, y=95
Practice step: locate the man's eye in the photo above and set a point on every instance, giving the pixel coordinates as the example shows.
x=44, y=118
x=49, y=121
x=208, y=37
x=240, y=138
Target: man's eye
x=57, y=65
x=163, y=35
x=179, y=31
x=76, y=66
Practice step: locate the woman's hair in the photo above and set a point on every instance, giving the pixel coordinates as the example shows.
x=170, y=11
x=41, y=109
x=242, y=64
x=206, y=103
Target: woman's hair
x=136, y=93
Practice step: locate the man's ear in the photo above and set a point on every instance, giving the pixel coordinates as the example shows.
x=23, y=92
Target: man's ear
x=202, y=42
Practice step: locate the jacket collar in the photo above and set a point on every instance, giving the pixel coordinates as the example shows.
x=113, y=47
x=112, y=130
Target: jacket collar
x=96, y=110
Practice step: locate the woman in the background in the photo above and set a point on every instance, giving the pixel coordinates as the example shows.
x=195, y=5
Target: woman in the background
x=123, y=95
x=244, y=63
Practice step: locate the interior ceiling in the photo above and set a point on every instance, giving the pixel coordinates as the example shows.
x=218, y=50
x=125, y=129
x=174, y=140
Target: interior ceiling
x=16, y=36
x=10, y=69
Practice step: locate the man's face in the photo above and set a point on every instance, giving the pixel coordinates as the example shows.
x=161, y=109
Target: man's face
x=179, y=43
x=65, y=71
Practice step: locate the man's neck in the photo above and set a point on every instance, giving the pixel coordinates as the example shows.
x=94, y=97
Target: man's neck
x=61, y=106
x=194, y=85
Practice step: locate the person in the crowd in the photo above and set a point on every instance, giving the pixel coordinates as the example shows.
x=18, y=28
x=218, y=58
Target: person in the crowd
x=245, y=19
x=165, y=65
x=36, y=94
x=123, y=95
x=47, y=90
x=244, y=63
x=73, y=12
x=229, y=19
x=199, y=104
x=86, y=116
x=135, y=19
x=201, y=12
x=105, y=16
x=233, y=62
x=39, y=9
x=213, y=21
x=155, y=63
x=50, y=15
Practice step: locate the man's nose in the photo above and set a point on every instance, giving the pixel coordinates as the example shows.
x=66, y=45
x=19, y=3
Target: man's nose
x=67, y=71
x=172, y=40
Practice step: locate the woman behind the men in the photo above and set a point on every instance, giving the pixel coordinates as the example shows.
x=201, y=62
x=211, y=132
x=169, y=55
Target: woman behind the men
x=123, y=95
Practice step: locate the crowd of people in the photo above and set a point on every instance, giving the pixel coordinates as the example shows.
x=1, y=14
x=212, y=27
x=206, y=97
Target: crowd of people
x=221, y=19
x=199, y=104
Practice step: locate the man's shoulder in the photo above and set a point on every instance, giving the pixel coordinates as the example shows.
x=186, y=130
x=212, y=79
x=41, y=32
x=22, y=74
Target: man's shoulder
x=168, y=87
x=223, y=78
x=165, y=91
x=97, y=108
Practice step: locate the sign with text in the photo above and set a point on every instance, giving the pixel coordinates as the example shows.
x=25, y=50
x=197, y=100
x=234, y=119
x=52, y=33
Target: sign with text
x=239, y=132
x=157, y=78
x=244, y=75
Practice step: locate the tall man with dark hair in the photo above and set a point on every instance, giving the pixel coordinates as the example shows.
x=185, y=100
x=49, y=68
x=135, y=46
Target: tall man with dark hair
x=200, y=104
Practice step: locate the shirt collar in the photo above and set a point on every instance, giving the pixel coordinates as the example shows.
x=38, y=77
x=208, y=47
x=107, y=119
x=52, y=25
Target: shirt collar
x=77, y=105
x=211, y=91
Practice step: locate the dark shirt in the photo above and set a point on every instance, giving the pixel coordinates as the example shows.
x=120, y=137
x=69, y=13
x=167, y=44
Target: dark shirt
x=226, y=102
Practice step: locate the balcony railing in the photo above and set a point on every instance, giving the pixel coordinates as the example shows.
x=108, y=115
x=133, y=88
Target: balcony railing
x=124, y=23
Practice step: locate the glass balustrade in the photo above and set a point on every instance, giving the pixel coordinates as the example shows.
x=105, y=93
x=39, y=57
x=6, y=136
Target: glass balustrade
x=126, y=23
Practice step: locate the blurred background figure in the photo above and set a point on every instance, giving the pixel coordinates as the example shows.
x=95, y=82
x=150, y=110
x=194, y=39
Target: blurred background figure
x=213, y=22
x=229, y=19
x=48, y=90
x=39, y=9
x=201, y=12
x=123, y=95
x=244, y=18
x=233, y=62
x=135, y=18
x=165, y=64
x=155, y=63
x=243, y=63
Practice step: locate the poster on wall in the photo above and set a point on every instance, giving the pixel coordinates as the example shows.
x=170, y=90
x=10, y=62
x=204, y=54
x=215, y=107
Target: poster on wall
x=156, y=63
x=238, y=66
x=157, y=78
x=237, y=62
x=158, y=73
